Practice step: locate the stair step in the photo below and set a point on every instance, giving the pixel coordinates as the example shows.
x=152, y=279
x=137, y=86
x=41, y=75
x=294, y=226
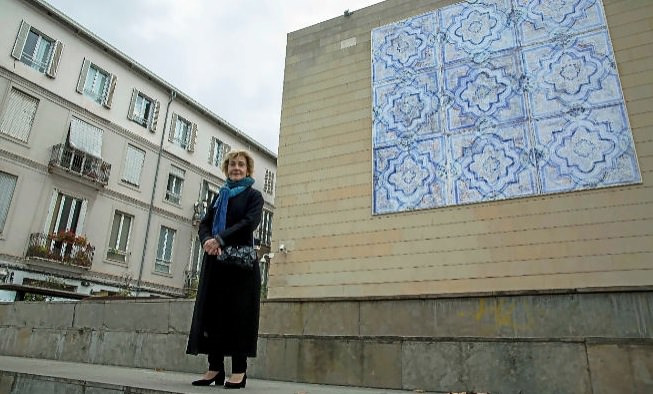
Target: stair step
x=19, y=375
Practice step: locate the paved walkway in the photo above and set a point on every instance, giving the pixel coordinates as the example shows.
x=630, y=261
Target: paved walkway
x=118, y=378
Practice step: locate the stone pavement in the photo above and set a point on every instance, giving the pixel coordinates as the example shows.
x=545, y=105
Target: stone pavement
x=20, y=375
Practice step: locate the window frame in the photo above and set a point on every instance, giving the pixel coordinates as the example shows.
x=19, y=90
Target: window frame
x=114, y=245
x=160, y=259
x=217, y=151
x=268, y=185
x=264, y=229
x=56, y=210
x=173, y=136
x=177, y=176
x=50, y=67
x=104, y=98
x=196, y=257
x=148, y=120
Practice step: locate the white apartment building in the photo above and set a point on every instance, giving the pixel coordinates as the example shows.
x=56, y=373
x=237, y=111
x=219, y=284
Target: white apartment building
x=104, y=167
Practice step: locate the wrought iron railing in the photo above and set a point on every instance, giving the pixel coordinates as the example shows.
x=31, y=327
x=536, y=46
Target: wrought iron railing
x=81, y=163
x=63, y=247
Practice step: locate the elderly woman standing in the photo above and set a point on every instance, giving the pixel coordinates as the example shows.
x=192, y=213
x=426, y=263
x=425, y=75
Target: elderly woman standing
x=226, y=315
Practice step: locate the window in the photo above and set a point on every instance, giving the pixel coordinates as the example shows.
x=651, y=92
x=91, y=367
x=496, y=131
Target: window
x=96, y=83
x=82, y=152
x=36, y=50
x=268, y=186
x=183, y=133
x=143, y=110
x=134, y=160
x=175, y=185
x=66, y=213
x=19, y=115
x=164, y=250
x=208, y=192
x=7, y=186
x=196, y=258
x=264, y=230
x=217, y=151
x=85, y=137
x=119, y=239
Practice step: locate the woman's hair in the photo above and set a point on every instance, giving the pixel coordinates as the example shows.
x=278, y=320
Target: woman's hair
x=232, y=155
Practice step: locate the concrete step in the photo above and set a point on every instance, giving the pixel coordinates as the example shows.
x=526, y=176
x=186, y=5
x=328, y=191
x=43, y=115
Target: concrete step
x=20, y=375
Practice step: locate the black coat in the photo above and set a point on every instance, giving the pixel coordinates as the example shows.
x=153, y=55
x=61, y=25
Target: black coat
x=226, y=314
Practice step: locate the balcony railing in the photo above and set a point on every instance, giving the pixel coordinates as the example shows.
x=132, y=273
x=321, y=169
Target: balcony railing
x=63, y=247
x=81, y=163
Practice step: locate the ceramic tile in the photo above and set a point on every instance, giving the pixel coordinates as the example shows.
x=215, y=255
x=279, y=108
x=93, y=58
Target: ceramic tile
x=406, y=107
x=495, y=99
x=545, y=20
x=492, y=165
x=581, y=73
x=585, y=150
x=489, y=92
x=476, y=30
x=404, y=48
x=410, y=175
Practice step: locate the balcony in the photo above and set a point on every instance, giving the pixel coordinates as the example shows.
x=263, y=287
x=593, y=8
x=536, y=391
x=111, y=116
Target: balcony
x=78, y=162
x=63, y=247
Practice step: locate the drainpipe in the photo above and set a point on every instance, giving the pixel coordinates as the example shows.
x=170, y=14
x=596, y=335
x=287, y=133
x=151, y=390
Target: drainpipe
x=173, y=95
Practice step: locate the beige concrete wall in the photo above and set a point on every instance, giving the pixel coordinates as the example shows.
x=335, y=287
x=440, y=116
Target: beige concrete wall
x=598, y=238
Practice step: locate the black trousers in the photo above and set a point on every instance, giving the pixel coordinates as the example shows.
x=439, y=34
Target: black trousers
x=238, y=363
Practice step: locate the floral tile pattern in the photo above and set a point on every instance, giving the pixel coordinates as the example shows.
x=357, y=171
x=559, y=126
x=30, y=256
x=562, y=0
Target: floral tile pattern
x=495, y=99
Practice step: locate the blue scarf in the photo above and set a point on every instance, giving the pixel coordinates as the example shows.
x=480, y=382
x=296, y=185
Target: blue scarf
x=229, y=190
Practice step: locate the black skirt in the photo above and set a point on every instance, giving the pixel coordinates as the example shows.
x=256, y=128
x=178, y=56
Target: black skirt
x=226, y=314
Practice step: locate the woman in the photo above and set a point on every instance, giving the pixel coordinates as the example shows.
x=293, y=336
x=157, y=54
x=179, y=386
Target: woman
x=226, y=315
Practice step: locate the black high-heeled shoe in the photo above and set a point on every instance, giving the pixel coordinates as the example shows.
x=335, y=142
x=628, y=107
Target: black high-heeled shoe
x=241, y=384
x=218, y=379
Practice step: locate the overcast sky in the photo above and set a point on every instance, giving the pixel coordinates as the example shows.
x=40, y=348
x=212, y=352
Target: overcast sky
x=226, y=54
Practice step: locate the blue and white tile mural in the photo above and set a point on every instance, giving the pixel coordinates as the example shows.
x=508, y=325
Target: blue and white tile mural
x=494, y=99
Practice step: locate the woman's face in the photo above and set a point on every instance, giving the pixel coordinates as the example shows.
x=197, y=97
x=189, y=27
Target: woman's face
x=237, y=168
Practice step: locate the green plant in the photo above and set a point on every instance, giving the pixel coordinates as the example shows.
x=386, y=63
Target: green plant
x=38, y=251
x=191, y=289
x=36, y=297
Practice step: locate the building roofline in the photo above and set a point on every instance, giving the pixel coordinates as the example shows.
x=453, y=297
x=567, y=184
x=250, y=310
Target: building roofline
x=136, y=66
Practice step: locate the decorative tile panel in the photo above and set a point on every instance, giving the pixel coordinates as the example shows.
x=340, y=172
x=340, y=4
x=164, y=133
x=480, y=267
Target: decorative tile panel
x=494, y=99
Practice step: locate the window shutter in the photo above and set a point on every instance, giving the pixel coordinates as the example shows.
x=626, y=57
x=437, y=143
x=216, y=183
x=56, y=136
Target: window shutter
x=133, y=165
x=132, y=104
x=85, y=137
x=112, y=87
x=173, y=125
x=178, y=172
x=154, y=116
x=50, y=218
x=82, y=216
x=193, y=138
x=7, y=186
x=211, y=149
x=225, y=149
x=54, y=61
x=23, y=31
x=82, y=76
x=19, y=115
